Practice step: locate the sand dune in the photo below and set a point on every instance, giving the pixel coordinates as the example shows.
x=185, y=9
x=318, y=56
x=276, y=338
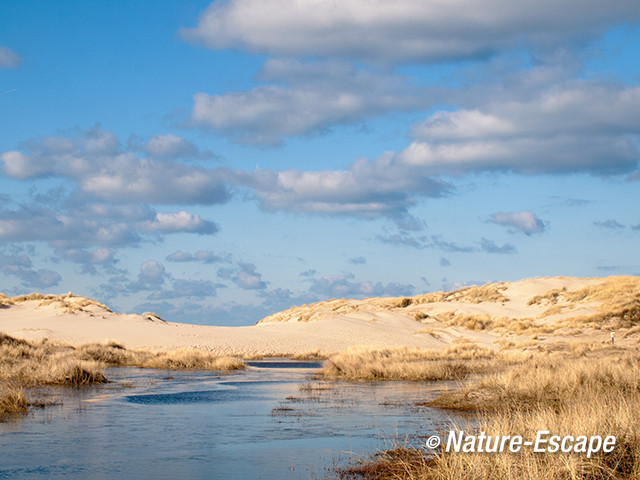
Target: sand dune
x=542, y=308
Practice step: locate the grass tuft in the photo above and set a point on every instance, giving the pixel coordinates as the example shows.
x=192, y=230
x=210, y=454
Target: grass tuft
x=12, y=400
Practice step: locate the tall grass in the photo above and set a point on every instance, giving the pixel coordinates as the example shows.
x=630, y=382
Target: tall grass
x=29, y=364
x=402, y=363
x=597, y=393
x=12, y=400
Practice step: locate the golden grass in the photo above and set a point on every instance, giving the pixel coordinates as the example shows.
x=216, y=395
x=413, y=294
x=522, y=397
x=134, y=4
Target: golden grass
x=485, y=322
x=29, y=364
x=12, y=400
x=486, y=293
x=586, y=390
x=115, y=355
x=407, y=364
x=67, y=302
x=617, y=300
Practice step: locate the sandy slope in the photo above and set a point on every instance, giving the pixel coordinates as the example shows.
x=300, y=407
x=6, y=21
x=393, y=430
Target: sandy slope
x=428, y=321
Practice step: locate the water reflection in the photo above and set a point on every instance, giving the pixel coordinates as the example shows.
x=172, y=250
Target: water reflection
x=271, y=422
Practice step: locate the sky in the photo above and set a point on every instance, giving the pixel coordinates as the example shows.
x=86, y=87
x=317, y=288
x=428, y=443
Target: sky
x=218, y=162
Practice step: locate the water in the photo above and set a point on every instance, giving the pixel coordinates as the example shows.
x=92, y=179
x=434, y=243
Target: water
x=273, y=421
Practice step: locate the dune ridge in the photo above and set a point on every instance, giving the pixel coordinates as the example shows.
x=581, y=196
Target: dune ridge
x=536, y=309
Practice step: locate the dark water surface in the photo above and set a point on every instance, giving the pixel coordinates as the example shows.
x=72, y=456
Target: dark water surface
x=273, y=421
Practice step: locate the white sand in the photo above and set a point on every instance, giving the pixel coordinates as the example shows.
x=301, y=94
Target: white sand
x=368, y=322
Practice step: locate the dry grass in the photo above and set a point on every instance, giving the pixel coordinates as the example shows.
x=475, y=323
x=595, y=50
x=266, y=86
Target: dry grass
x=115, y=355
x=67, y=302
x=485, y=293
x=407, y=364
x=584, y=391
x=537, y=382
x=12, y=400
x=617, y=300
x=29, y=364
x=485, y=322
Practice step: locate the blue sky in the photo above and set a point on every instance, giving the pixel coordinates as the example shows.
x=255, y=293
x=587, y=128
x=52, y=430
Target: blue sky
x=217, y=162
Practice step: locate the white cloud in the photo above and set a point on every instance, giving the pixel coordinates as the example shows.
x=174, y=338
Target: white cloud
x=344, y=286
x=170, y=146
x=96, y=162
x=89, y=226
x=245, y=276
x=8, y=58
x=181, y=221
x=21, y=266
x=151, y=277
x=581, y=126
x=404, y=30
x=306, y=98
x=203, y=256
x=366, y=189
x=524, y=221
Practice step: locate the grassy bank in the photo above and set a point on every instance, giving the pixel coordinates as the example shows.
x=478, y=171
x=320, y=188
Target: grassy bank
x=408, y=364
x=26, y=364
x=592, y=392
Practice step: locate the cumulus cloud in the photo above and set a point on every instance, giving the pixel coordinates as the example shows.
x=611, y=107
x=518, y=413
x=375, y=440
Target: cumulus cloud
x=180, y=222
x=98, y=165
x=367, y=189
x=151, y=277
x=524, y=221
x=306, y=98
x=21, y=266
x=203, y=256
x=64, y=229
x=94, y=225
x=8, y=58
x=170, y=146
x=340, y=286
x=401, y=31
x=582, y=126
x=244, y=275
x=89, y=259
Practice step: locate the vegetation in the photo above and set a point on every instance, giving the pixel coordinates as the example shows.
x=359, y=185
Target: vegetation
x=29, y=364
x=592, y=390
x=409, y=364
x=68, y=302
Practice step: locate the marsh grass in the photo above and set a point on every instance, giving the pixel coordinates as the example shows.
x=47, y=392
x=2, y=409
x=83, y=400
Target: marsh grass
x=28, y=364
x=407, y=364
x=12, y=400
x=572, y=391
x=115, y=355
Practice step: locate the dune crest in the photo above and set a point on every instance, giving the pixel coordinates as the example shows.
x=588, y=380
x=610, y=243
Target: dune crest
x=545, y=308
